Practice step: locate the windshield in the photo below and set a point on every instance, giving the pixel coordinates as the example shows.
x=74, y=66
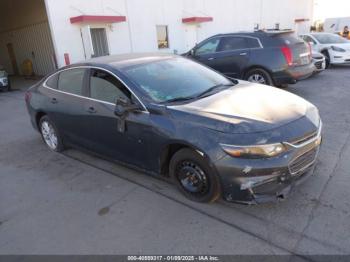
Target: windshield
x=330, y=39
x=174, y=78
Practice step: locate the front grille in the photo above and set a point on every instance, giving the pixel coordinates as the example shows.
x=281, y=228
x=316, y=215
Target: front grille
x=302, y=162
x=303, y=139
x=319, y=65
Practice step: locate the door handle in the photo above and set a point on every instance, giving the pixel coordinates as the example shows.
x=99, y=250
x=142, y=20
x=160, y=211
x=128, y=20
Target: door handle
x=211, y=58
x=243, y=54
x=91, y=110
x=54, y=101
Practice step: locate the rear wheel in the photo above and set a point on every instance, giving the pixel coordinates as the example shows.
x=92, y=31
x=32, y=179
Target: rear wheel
x=259, y=76
x=194, y=177
x=50, y=134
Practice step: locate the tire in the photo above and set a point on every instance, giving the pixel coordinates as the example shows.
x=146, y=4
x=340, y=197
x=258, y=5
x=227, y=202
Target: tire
x=188, y=166
x=50, y=134
x=283, y=86
x=259, y=76
x=328, y=60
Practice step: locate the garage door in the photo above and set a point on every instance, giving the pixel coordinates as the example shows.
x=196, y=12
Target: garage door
x=32, y=42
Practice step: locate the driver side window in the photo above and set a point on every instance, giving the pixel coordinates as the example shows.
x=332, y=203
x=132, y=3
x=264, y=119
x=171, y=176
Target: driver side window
x=208, y=47
x=105, y=87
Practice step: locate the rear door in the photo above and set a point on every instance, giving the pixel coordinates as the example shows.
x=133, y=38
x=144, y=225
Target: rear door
x=66, y=100
x=232, y=55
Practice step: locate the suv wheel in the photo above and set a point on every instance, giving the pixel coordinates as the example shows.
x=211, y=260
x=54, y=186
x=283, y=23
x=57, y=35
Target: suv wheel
x=194, y=177
x=50, y=134
x=259, y=76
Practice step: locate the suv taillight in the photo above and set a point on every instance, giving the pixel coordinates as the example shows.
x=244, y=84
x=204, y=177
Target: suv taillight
x=27, y=96
x=288, y=55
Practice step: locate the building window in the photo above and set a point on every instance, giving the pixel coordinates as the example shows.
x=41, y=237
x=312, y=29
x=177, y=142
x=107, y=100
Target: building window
x=162, y=36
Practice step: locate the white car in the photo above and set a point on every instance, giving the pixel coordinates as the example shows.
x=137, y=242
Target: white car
x=319, y=61
x=335, y=48
x=4, y=81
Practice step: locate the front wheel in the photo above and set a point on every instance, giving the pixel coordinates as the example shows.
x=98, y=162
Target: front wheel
x=194, y=177
x=50, y=134
x=259, y=76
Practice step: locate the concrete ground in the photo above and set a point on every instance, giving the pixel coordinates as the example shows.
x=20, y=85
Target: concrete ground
x=74, y=203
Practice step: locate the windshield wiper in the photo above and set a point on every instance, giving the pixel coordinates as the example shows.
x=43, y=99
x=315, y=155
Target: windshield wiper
x=203, y=94
x=211, y=89
x=179, y=99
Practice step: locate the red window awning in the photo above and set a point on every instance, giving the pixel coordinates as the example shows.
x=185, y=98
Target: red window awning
x=197, y=19
x=299, y=20
x=97, y=19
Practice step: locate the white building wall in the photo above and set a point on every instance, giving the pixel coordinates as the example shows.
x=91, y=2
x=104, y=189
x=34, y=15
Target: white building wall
x=138, y=33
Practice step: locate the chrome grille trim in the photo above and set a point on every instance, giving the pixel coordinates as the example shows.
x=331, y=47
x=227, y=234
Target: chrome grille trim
x=303, y=162
x=309, y=141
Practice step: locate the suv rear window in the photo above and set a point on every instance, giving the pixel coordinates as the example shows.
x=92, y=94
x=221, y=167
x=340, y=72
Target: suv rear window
x=289, y=39
x=232, y=43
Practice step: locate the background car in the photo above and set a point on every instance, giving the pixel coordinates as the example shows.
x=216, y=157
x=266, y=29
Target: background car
x=335, y=48
x=173, y=117
x=4, y=80
x=319, y=61
x=267, y=57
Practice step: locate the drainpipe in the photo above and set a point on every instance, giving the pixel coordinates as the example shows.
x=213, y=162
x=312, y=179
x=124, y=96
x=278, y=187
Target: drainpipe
x=129, y=26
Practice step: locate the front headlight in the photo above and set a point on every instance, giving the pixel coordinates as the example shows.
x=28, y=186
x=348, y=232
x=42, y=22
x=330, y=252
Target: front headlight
x=338, y=49
x=256, y=151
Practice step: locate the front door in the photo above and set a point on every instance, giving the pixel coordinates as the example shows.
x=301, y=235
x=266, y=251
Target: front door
x=130, y=146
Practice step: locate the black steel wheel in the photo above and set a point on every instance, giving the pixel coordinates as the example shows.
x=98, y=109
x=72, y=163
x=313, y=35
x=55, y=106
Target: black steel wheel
x=194, y=177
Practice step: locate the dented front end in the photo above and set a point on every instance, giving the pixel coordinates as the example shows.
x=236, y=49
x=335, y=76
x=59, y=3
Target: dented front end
x=260, y=180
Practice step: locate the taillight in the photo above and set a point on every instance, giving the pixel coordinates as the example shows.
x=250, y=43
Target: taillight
x=27, y=96
x=287, y=52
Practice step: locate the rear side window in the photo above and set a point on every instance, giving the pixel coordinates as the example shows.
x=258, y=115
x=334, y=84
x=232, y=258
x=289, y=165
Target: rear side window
x=71, y=81
x=289, y=39
x=52, y=81
x=232, y=43
x=105, y=87
x=253, y=43
x=208, y=47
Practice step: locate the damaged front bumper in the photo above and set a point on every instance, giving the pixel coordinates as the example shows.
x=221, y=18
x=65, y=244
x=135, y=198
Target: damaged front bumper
x=255, y=181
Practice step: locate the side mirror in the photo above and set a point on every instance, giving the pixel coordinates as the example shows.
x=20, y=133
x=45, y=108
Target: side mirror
x=122, y=108
x=192, y=52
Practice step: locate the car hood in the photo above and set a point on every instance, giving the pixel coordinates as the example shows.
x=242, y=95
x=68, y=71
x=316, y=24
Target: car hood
x=345, y=46
x=247, y=108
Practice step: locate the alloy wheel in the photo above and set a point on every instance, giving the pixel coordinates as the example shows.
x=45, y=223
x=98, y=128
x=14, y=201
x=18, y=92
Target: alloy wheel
x=257, y=78
x=49, y=135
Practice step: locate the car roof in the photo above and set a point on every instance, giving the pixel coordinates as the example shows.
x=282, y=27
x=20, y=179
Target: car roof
x=258, y=33
x=124, y=60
